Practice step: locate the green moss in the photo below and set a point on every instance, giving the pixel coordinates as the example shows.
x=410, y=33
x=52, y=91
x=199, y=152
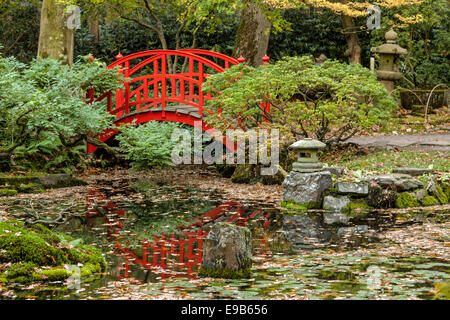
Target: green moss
x=245, y=173
x=16, y=180
x=442, y=291
x=225, y=273
x=445, y=183
x=31, y=188
x=90, y=268
x=291, y=204
x=21, y=272
x=430, y=201
x=7, y=192
x=26, y=245
x=38, y=254
x=36, y=179
x=353, y=205
x=55, y=274
x=406, y=200
x=446, y=188
x=437, y=191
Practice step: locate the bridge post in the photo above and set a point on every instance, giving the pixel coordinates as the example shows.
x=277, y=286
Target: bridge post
x=265, y=105
x=119, y=93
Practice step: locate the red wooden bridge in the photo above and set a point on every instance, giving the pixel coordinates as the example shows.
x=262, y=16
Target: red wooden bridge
x=151, y=93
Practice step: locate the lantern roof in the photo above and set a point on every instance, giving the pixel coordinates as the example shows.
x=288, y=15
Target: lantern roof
x=307, y=143
x=390, y=46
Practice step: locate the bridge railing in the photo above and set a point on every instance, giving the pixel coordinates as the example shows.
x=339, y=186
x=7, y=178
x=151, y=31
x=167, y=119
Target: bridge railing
x=149, y=85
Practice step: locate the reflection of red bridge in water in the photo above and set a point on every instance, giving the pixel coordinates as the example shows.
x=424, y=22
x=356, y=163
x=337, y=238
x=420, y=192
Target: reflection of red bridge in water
x=152, y=93
x=168, y=253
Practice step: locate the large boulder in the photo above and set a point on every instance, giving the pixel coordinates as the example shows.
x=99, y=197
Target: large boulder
x=307, y=188
x=227, y=252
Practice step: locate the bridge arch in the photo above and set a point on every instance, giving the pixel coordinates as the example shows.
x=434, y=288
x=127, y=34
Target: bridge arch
x=150, y=93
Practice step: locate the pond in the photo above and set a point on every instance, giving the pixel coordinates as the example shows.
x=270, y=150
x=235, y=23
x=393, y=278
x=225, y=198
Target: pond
x=151, y=236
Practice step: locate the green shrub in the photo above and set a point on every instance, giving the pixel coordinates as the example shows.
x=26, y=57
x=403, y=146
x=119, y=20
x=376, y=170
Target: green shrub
x=330, y=101
x=44, y=114
x=149, y=144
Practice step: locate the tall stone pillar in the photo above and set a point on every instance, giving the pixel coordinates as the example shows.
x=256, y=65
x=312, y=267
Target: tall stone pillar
x=388, y=56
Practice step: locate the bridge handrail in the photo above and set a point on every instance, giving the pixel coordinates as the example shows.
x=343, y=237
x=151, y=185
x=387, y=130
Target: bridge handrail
x=195, y=54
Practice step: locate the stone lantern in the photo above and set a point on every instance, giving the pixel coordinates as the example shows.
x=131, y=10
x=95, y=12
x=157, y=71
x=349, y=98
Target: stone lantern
x=388, y=55
x=307, y=155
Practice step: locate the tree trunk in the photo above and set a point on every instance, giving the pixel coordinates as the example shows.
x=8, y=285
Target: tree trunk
x=354, y=50
x=56, y=41
x=251, y=39
x=94, y=31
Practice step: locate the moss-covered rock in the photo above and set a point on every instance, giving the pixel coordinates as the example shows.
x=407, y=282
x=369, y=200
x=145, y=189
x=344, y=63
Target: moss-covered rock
x=446, y=188
x=16, y=181
x=356, y=205
x=406, y=200
x=31, y=188
x=277, y=178
x=245, y=173
x=442, y=291
x=38, y=254
x=291, y=204
x=227, y=252
x=7, y=192
x=438, y=193
x=429, y=201
x=45, y=180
